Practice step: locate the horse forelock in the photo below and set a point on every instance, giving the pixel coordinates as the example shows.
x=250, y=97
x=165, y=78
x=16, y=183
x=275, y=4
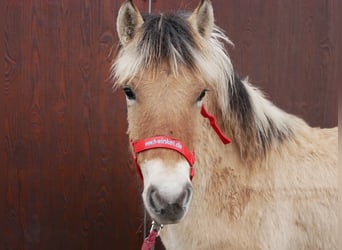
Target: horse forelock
x=167, y=38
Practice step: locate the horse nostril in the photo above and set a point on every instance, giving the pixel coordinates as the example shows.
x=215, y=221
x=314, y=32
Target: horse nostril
x=184, y=198
x=186, y=195
x=154, y=200
x=188, y=192
x=152, y=194
x=151, y=197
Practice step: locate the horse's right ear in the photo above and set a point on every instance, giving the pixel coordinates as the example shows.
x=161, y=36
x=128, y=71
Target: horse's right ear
x=129, y=20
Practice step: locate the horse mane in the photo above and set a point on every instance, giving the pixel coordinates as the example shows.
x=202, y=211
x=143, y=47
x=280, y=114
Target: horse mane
x=254, y=122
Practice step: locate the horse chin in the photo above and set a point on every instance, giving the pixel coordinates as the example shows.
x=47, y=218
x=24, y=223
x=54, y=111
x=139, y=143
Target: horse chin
x=165, y=222
x=162, y=217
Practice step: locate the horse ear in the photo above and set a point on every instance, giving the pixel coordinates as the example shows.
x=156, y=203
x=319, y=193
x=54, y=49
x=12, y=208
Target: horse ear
x=202, y=19
x=129, y=20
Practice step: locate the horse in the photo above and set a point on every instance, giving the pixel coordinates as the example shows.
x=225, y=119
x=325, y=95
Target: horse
x=274, y=186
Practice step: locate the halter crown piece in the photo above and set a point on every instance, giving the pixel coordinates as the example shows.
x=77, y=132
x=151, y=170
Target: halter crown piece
x=174, y=144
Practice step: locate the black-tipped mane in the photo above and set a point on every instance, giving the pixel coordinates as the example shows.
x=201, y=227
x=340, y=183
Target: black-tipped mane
x=239, y=102
x=243, y=112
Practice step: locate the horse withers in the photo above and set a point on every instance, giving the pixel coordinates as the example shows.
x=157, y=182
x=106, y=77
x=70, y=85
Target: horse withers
x=273, y=187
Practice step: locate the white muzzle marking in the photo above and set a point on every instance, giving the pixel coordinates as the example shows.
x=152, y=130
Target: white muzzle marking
x=167, y=190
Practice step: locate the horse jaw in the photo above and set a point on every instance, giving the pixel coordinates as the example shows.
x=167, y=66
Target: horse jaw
x=167, y=190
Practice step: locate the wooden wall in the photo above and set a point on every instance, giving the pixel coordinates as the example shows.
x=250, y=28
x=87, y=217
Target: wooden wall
x=66, y=179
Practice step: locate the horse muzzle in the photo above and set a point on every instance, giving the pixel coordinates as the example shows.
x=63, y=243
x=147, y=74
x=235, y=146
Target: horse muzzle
x=167, y=189
x=166, y=209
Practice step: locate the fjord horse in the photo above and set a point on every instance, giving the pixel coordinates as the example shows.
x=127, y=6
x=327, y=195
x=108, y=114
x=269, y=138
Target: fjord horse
x=273, y=187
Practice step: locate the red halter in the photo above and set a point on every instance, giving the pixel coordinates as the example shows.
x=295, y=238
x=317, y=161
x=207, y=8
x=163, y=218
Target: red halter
x=174, y=144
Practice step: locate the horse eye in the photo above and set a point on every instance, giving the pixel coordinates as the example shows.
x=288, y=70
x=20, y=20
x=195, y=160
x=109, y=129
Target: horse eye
x=129, y=93
x=201, y=95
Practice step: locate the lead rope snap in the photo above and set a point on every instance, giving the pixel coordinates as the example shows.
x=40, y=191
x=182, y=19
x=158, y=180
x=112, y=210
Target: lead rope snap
x=150, y=240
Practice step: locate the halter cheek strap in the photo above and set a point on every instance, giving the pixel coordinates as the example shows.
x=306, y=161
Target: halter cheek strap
x=162, y=142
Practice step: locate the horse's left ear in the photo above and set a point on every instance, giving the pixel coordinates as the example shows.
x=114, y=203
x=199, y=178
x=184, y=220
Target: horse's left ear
x=129, y=20
x=202, y=19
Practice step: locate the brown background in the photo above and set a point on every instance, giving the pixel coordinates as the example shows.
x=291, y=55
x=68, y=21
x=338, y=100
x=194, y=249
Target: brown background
x=66, y=179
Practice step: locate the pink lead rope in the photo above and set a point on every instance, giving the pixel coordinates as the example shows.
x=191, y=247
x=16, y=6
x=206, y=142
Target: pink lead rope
x=150, y=241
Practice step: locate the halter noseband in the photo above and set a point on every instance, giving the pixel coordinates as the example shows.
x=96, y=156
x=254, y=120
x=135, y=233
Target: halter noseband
x=174, y=144
x=163, y=142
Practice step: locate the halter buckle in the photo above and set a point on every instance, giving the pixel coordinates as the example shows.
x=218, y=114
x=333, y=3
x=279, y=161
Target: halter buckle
x=156, y=227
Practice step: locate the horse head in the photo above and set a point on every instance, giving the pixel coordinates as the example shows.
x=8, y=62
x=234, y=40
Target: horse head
x=158, y=70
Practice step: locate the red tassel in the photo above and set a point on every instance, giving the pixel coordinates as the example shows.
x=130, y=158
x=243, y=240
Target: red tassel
x=214, y=125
